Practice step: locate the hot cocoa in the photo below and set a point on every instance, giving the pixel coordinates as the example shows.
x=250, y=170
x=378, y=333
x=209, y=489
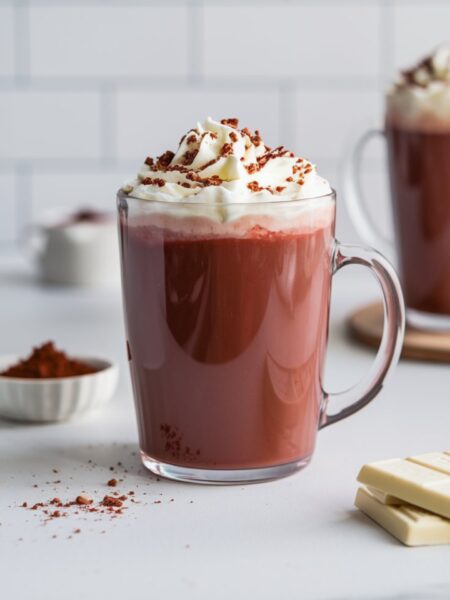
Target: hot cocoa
x=418, y=136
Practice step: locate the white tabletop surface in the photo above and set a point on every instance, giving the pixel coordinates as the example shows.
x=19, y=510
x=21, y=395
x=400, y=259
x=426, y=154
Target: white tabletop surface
x=299, y=537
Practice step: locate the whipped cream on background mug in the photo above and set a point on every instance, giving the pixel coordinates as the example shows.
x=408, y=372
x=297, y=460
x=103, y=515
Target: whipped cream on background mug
x=227, y=251
x=417, y=132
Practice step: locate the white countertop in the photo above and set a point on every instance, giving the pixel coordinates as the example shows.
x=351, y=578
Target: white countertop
x=295, y=538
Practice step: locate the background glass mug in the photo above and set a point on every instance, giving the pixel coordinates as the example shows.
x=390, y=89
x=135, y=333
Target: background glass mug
x=227, y=329
x=419, y=170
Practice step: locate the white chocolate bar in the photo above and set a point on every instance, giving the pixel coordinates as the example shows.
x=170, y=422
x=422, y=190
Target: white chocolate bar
x=411, y=525
x=420, y=480
x=385, y=498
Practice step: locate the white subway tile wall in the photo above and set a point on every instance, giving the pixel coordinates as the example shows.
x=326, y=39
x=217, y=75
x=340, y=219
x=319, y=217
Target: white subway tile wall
x=75, y=187
x=326, y=119
x=6, y=41
x=50, y=124
x=149, y=120
x=8, y=220
x=418, y=28
x=88, y=89
x=292, y=41
x=108, y=42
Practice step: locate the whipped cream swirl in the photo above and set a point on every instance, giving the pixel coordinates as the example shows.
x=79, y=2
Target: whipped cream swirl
x=217, y=163
x=420, y=99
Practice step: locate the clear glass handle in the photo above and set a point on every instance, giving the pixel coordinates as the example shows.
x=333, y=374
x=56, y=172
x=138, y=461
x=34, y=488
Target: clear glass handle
x=354, y=195
x=391, y=342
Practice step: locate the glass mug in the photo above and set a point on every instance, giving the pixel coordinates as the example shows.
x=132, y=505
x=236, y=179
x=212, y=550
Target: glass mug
x=419, y=176
x=226, y=323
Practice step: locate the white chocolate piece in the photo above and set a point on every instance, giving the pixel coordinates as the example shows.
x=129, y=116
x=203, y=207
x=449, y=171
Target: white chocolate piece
x=421, y=480
x=411, y=525
x=384, y=498
x=439, y=461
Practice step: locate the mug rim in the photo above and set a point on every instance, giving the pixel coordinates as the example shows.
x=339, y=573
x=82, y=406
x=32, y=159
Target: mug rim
x=121, y=196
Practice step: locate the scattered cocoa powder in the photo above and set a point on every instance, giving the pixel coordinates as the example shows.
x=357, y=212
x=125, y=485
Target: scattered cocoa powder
x=112, y=506
x=83, y=499
x=111, y=501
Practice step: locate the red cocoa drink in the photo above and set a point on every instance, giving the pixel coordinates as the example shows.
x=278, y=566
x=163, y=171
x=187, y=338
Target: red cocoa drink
x=418, y=135
x=226, y=250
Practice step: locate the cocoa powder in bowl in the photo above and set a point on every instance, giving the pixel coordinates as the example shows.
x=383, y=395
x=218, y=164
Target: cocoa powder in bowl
x=47, y=362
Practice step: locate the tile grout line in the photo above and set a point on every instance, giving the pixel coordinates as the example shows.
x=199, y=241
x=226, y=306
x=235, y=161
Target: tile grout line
x=242, y=83
x=108, y=124
x=195, y=41
x=287, y=118
x=62, y=165
x=224, y=3
x=21, y=42
x=387, y=36
x=23, y=173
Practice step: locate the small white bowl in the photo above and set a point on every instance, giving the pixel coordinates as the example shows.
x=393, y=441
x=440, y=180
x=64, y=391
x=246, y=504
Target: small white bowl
x=47, y=400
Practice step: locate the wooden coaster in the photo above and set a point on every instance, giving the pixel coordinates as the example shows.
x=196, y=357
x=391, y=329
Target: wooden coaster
x=366, y=325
